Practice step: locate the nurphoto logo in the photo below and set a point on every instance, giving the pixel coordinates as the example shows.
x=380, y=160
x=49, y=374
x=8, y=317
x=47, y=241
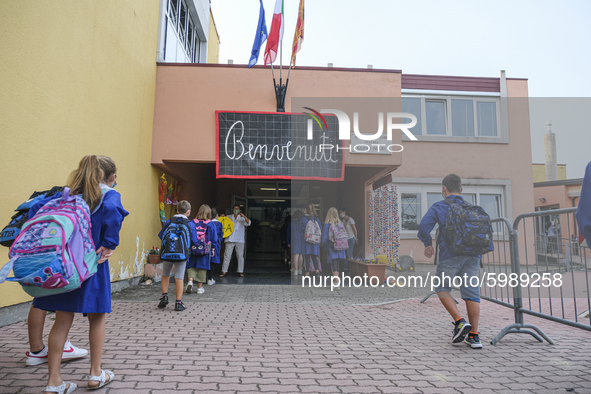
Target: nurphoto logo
x=345, y=129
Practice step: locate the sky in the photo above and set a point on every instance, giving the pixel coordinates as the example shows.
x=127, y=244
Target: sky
x=546, y=42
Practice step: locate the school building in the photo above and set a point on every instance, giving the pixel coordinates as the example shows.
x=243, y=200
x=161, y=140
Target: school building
x=475, y=127
x=139, y=81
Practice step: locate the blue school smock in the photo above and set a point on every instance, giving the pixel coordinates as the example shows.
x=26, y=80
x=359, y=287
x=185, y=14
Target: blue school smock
x=295, y=237
x=202, y=262
x=217, y=245
x=94, y=296
x=331, y=254
x=583, y=214
x=308, y=248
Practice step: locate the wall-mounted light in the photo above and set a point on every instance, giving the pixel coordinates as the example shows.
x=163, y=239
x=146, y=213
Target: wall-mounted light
x=543, y=200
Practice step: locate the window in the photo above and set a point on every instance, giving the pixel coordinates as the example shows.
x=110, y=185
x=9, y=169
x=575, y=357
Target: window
x=492, y=205
x=181, y=42
x=183, y=23
x=190, y=41
x=462, y=118
x=432, y=198
x=411, y=210
x=413, y=106
x=453, y=116
x=173, y=13
x=435, y=116
x=487, y=118
x=414, y=200
x=469, y=198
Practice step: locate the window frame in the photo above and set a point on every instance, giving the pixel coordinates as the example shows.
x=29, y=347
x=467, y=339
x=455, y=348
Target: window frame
x=424, y=115
x=188, y=41
x=449, y=116
x=425, y=188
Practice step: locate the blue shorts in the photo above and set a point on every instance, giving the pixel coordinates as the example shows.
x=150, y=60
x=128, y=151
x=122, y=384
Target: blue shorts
x=465, y=267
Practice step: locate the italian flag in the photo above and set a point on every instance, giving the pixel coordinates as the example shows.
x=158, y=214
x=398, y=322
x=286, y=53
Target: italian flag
x=276, y=33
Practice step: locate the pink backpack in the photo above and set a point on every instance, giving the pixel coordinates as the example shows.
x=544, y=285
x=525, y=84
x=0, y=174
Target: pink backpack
x=338, y=235
x=54, y=252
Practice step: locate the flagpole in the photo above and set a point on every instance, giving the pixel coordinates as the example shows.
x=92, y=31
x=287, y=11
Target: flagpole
x=289, y=72
x=273, y=72
x=280, y=60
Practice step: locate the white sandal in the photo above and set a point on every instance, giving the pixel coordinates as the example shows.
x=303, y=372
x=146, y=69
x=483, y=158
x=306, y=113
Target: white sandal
x=101, y=379
x=61, y=389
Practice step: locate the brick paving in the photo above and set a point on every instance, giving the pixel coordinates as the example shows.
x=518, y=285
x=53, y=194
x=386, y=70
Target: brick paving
x=251, y=338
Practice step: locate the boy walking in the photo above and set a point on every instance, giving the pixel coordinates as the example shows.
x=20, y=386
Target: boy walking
x=451, y=265
x=176, y=241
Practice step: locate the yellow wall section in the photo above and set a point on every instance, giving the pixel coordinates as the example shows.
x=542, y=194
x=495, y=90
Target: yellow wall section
x=540, y=172
x=213, y=45
x=79, y=79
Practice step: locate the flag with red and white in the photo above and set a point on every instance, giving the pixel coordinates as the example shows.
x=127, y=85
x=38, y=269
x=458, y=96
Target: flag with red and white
x=276, y=33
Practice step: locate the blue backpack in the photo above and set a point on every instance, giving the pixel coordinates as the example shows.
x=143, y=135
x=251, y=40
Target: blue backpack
x=468, y=229
x=54, y=252
x=201, y=246
x=176, y=240
x=12, y=230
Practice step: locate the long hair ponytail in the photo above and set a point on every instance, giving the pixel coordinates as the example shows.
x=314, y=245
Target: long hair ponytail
x=85, y=181
x=311, y=209
x=108, y=166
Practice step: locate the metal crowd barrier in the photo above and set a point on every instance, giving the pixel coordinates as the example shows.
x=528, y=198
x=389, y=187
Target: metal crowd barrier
x=555, y=268
x=522, y=273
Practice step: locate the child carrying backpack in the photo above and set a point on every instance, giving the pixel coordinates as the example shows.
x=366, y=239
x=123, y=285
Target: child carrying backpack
x=176, y=236
x=334, y=239
x=93, y=181
x=310, y=229
x=467, y=233
x=201, y=250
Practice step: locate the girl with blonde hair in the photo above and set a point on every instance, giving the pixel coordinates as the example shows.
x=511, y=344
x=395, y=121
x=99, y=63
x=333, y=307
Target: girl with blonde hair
x=93, y=180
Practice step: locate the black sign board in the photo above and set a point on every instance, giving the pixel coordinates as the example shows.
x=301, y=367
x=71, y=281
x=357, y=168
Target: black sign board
x=271, y=145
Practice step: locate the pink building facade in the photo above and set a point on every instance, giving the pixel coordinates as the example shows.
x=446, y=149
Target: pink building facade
x=475, y=127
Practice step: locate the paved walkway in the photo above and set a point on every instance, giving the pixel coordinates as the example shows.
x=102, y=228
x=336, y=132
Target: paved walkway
x=252, y=338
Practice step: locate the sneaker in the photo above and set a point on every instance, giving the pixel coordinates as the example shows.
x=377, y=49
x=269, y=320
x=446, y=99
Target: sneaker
x=200, y=291
x=38, y=358
x=189, y=287
x=461, y=329
x=163, y=302
x=71, y=352
x=473, y=340
x=179, y=306
x=211, y=282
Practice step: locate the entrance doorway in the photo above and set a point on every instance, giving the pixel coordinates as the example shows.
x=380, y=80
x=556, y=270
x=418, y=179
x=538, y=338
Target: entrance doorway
x=268, y=206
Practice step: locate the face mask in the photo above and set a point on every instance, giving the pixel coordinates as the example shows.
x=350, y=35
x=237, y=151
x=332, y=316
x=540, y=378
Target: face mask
x=113, y=185
x=342, y=215
x=236, y=211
